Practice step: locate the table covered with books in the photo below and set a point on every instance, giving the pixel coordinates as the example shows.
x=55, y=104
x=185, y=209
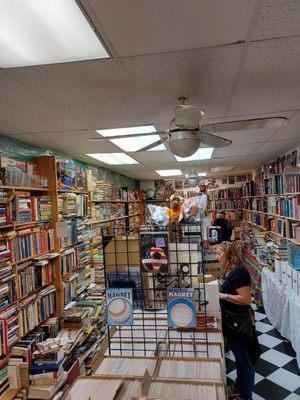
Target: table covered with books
x=282, y=308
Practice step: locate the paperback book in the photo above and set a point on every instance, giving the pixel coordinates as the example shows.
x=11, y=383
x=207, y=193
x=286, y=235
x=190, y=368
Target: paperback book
x=119, y=307
x=181, y=308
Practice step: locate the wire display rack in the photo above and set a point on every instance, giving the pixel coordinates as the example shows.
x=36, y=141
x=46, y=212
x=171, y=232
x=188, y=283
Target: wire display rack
x=123, y=268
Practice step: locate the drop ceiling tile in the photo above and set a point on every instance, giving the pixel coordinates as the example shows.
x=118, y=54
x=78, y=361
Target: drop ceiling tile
x=147, y=157
x=249, y=136
x=78, y=141
x=278, y=147
x=203, y=76
x=98, y=93
x=238, y=151
x=136, y=27
x=270, y=79
x=27, y=111
x=277, y=18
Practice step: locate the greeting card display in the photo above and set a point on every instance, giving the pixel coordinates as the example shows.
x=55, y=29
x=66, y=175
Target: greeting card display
x=119, y=307
x=154, y=251
x=181, y=308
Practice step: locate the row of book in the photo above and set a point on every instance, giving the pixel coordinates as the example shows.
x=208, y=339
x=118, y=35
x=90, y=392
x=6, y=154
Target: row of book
x=106, y=211
x=229, y=193
x=283, y=206
x=274, y=184
x=78, y=230
x=108, y=191
x=226, y=204
x=35, y=274
x=282, y=164
x=30, y=242
x=286, y=228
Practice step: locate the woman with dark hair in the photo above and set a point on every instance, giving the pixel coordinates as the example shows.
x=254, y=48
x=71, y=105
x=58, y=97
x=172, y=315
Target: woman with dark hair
x=237, y=318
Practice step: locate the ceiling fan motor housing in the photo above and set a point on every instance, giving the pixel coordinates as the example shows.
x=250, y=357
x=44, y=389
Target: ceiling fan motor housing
x=183, y=143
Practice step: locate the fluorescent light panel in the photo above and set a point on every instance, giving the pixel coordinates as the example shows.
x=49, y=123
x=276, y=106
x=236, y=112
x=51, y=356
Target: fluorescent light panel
x=113, y=158
x=169, y=172
x=135, y=143
x=35, y=32
x=204, y=153
x=133, y=130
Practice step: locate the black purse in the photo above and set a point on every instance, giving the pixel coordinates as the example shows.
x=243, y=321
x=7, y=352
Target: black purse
x=237, y=324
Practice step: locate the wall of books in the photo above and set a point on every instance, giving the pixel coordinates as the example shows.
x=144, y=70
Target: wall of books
x=52, y=314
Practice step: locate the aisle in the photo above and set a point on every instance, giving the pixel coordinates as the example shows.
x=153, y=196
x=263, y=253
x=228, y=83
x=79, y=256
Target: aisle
x=277, y=373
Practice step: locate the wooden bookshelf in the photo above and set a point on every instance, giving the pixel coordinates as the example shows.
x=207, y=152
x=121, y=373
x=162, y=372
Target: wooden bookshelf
x=25, y=188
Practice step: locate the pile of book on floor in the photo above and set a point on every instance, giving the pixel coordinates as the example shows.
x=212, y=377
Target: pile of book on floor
x=47, y=374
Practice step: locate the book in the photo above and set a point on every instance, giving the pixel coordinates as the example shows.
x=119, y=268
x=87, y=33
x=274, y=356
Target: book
x=181, y=308
x=119, y=307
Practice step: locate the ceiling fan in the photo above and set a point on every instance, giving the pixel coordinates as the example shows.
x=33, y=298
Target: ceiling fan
x=186, y=133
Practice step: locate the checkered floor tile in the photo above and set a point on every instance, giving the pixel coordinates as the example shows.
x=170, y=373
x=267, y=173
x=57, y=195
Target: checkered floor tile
x=277, y=373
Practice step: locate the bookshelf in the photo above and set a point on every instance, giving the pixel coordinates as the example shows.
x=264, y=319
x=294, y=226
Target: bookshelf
x=272, y=203
x=228, y=200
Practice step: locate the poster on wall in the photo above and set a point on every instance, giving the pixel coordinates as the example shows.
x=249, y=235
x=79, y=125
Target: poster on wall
x=181, y=308
x=224, y=181
x=66, y=175
x=212, y=184
x=154, y=252
x=231, y=180
x=119, y=307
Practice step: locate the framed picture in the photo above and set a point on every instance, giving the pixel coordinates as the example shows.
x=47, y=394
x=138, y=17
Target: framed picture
x=231, y=180
x=159, y=184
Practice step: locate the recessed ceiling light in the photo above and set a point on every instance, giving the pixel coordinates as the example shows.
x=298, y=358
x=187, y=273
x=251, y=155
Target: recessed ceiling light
x=45, y=32
x=113, y=158
x=169, y=172
x=160, y=147
x=135, y=143
x=133, y=130
x=199, y=174
x=204, y=153
x=221, y=169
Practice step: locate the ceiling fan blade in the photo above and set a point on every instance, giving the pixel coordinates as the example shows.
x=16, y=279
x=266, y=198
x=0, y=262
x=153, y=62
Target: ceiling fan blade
x=212, y=140
x=96, y=139
x=150, y=146
x=247, y=124
x=187, y=116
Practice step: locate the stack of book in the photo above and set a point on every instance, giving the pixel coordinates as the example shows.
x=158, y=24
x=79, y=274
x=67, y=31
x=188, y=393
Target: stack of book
x=9, y=328
x=75, y=317
x=4, y=248
x=22, y=208
x=4, y=209
x=70, y=238
x=83, y=229
x=82, y=205
x=67, y=203
x=44, y=208
x=84, y=255
x=46, y=372
x=8, y=293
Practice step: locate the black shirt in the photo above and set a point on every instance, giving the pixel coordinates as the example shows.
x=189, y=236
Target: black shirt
x=226, y=228
x=237, y=278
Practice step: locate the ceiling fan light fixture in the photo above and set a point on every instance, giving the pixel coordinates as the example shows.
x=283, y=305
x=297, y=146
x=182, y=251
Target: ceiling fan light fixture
x=184, y=143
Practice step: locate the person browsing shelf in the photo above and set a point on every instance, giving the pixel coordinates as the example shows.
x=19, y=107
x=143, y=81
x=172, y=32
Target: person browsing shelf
x=237, y=318
x=225, y=225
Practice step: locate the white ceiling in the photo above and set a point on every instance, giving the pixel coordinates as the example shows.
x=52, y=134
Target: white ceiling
x=235, y=59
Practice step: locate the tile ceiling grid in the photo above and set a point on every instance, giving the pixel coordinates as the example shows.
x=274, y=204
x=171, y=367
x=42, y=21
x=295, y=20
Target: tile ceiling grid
x=95, y=93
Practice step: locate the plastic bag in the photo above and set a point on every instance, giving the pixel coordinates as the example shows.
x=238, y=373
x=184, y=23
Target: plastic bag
x=159, y=215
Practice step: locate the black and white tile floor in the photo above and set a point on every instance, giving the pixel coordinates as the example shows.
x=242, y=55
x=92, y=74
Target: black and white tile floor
x=277, y=374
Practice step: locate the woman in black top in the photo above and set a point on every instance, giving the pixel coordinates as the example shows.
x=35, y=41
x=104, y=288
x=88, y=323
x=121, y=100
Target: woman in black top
x=235, y=300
